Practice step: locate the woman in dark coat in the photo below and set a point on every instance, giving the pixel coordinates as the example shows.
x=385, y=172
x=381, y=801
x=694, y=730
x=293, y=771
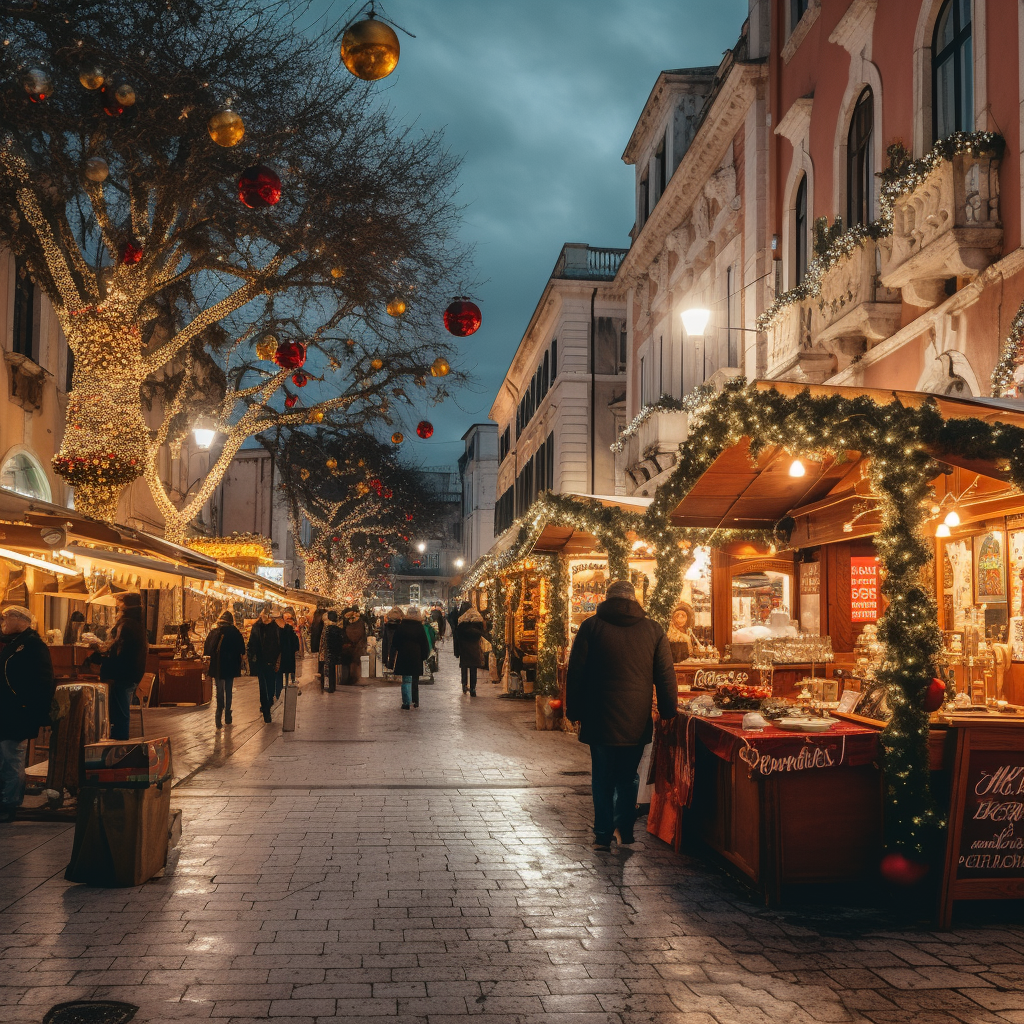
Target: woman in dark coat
x=387, y=636
x=316, y=630
x=122, y=661
x=225, y=647
x=353, y=647
x=470, y=632
x=290, y=645
x=412, y=648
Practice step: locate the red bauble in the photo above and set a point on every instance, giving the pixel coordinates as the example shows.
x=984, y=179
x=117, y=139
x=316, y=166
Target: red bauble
x=131, y=252
x=424, y=429
x=935, y=695
x=350, y=560
x=259, y=187
x=336, y=540
x=408, y=515
x=290, y=355
x=462, y=318
x=300, y=380
x=289, y=402
x=902, y=871
x=555, y=704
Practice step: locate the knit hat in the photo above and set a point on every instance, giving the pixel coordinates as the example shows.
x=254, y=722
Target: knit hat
x=395, y=614
x=227, y=617
x=415, y=614
x=621, y=588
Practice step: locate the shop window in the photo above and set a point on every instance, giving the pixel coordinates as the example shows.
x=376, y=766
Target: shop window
x=761, y=605
x=660, y=170
x=953, y=70
x=23, y=475
x=414, y=593
x=732, y=316
x=24, y=340
x=623, y=347
x=859, y=178
x=800, y=233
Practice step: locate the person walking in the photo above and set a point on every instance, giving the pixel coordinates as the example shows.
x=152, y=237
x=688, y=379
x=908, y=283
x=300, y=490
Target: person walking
x=225, y=647
x=26, y=690
x=412, y=648
x=122, y=661
x=470, y=633
x=353, y=646
x=437, y=617
x=291, y=644
x=331, y=641
x=316, y=631
x=618, y=657
x=387, y=636
x=264, y=651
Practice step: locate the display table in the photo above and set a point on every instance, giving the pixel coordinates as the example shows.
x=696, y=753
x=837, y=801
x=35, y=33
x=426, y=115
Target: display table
x=781, y=808
x=184, y=682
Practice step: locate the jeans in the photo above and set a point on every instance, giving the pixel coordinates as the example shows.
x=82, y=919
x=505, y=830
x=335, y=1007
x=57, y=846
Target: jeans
x=350, y=672
x=120, y=698
x=266, y=678
x=613, y=781
x=12, y=772
x=224, y=693
x=410, y=689
x=469, y=679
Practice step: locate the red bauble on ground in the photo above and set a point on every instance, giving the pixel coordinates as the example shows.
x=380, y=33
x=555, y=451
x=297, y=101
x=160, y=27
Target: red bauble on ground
x=131, y=252
x=935, y=696
x=462, y=317
x=901, y=870
x=259, y=187
x=425, y=429
x=289, y=402
x=290, y=355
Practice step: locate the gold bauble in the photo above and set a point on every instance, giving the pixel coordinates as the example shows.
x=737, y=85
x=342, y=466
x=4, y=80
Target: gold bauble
x=91, y=78
x=226, y=128
x=304, y=473
x=370, y=50
x=396, y=307
x=397, y=437
x=316, y=416
x=266, y=347
x=331, y=463
x=337, y=272
x=362, y=488
x=96, y=169
x=125, y=94
x=376, y=364
x=440, y=367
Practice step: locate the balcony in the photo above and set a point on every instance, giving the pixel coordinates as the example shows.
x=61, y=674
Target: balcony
x=947, y=227
x=581, y=262
x=815, y=337
x=652, y=450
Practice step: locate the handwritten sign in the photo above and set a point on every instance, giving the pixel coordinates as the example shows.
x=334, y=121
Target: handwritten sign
x=992, y=835
x=807, y=757
x=708, y=678
x=864, y=588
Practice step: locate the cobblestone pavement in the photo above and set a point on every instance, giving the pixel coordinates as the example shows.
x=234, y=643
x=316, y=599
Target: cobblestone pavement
x=432, y=864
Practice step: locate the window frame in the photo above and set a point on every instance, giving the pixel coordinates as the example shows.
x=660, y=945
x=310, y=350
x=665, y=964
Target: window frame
x=801, y=235
x=859, y=160
x=963, y=119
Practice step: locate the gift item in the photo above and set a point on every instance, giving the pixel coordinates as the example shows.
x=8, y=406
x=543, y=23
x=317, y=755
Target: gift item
x=128, y=763
x=741, y=696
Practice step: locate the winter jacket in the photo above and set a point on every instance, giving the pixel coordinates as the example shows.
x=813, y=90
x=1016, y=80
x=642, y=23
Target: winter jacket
x=387, y=641
x=289, y=648
x=264, y=647
x=331, y=643
x=225, y=647
x=470, y=632
x=411, y=648
x=453, y=621
x=618, y=657
x=353, y=646
x=316, y=632
x=437, y=617
x=124, y=661
x=26, y=686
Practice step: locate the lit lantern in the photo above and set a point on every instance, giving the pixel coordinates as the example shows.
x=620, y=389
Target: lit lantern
x=440, y=367
x=425, y=429
x=370, y=49
x=462, y=317
x=259, y=187
x=396, y=307
x=226, y=128
x=290, y=355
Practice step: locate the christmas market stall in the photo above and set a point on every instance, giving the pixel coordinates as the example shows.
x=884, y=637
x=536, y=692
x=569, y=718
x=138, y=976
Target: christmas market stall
x=860, y=696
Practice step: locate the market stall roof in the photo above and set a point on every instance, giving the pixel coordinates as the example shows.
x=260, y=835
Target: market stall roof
x=564, y=540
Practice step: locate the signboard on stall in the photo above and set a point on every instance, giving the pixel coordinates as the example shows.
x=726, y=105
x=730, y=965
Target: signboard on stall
x=810, y=597
x=864, y=596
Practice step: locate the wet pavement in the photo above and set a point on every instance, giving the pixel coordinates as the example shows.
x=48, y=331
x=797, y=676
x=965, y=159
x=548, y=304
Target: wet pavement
x=431, y=864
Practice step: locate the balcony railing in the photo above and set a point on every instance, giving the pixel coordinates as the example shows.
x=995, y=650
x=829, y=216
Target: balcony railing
x=579, y=261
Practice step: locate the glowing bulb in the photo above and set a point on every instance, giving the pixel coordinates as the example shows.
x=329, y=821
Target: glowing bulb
x=952, y=518
x=421, y=547
x=942, y=530
x=796, y=468
x=204, y=437
x=459, y=563
x=695, y=321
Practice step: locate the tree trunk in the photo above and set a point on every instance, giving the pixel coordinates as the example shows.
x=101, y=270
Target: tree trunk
x=105, y=436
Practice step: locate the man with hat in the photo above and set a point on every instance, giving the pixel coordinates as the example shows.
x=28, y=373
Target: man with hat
x=618, y=659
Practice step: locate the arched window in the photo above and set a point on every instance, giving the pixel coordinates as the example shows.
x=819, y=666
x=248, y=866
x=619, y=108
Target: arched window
x=23, y=475
x=859, y=177
x=800, y=232
x=953, y=70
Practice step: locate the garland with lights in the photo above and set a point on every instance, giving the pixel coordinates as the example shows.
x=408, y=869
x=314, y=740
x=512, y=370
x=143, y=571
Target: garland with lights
x=553, y=632
x=243, y=549
x=666, y=403
x=1010, y=358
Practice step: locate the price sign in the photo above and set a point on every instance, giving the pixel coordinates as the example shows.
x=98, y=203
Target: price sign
x=864, y=588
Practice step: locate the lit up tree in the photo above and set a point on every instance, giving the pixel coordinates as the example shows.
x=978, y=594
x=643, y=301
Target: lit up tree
x=220, y=215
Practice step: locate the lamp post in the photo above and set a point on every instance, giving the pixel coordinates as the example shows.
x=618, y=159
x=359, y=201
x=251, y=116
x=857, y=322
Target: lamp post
x=695, y=322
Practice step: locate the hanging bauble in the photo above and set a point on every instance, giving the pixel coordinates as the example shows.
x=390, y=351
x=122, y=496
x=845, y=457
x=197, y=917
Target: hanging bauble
x=935, y=695
x=110, y=105
x=96, y=169
x=290, y=355
x=226, y=128
x=266, y=347
x=462, y=317
x=37, y=84
x=331, y=463
x=425, y=429
x=304, y=474
x=315, y=416
x=289, y=402
x=125, y=94
x=396, y=307
x=901, y=870
x=92, y=78
x=370, y=50
x=350, y=560
x=259, y=187
x=397, y=437
x=337, y=272
x=131, y=252
x=376, y=364
x=362, y=488
x=440, y=367
x=408, y=516
x=300, y=380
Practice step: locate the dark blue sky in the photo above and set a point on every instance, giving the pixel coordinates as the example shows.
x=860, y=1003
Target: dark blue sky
x=540, y=99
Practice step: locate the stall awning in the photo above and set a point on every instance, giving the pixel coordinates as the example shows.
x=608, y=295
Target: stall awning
x=564, y=540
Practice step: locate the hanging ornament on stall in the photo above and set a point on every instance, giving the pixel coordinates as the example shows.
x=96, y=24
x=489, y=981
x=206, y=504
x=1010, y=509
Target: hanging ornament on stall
x=259, y=187
x=370, y=49
x=397, y=437
x=96, y=169
x=396, y=307
x=425, y=429
x=226, y=128
x=462, y=317
x=901, y=870
x=37, y=84
x=92, y=78
x=440, y=367
x=290, y=355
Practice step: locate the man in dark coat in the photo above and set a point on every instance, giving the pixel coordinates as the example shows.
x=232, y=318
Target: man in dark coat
x=618, y=657
x=412, y=648
x=122, y=661
x=225, y=647
x=331, y=643
x=26, y=690
x=437, y=617
x=453, y=621
x=264, y=650
x=353, y=646
x=470, y=634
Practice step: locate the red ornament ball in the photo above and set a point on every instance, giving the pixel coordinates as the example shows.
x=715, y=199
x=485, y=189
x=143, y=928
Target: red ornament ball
x=425, y=429
x=408, y=515
x=290, y=355
x=935, y=695
x=259, y=187
x=462, y=317
x=901, y=870
x=555, y=704
x=350, y=560
x=300, y=380
x=289, y=402
x=336, y=540
x=131, y=252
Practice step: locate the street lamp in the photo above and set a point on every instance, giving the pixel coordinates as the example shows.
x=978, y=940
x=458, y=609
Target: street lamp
x=421, y=547
x=204, y=436
x=695, y=322
x=459, y=563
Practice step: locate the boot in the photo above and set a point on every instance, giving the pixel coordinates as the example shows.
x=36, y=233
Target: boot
x=218, y=718
x=227, y=716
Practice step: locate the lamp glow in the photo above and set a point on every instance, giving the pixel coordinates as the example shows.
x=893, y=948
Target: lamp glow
x=39, y=563
x=204, y=436
x=421, y=547
x=952, y=518
x=695, y=321
x=796, y=468
x=942, y=530
x=459, y=563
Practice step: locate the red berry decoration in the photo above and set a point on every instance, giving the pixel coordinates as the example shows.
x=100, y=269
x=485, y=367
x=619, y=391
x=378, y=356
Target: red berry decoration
x=131, y=252
x=290, y=355
x=902, y=871
x=462, y=317
x=425, y=429
x=259, y=187
x=935, y=696
x=289, y=402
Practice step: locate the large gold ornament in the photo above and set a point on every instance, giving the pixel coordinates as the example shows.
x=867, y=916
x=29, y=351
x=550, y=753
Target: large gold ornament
x=96, y=169
x=266, y=347
x=376, y=364
x=370, y=50
x=91, y=78
x=440, y=367
x=226, y=128
x=396, y=307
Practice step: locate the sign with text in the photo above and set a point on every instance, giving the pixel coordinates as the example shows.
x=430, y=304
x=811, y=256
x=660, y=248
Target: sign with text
x=992, y=836
x=864, y=598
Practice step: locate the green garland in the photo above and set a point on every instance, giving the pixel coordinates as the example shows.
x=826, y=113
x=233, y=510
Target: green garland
x=666, y=403
x=1010, y=357
x=554, y=628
